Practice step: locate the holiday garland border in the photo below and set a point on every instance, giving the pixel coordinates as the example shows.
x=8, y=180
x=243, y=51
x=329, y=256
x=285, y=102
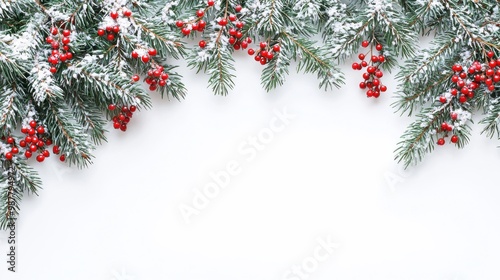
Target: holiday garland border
x=64, y=63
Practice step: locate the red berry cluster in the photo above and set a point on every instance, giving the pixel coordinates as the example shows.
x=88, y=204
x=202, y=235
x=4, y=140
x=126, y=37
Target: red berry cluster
x=121, y=119
x=467, y=81
x=36, y=140
x=198, y=24
x=373, y=72
x=112, y=30
x=265, y=53
x=446, y=128
x=59, y=41
x=146, y=55
x=156, y=77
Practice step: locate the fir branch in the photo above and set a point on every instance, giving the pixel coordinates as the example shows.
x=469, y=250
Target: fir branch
x=11, y=109
x=491, y=121
x=313, y=60
x=276, y=70
x=418, y=139
x=69, y=136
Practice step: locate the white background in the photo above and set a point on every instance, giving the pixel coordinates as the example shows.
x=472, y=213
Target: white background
x=329, y=174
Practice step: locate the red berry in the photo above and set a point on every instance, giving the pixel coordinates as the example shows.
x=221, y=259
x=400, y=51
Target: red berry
x=383, y=88
x=251, y=52
x=62, y=158
x=152, y=52
x=40, y=158
x=490, y=54
x=185, y=31
x=133, y=108
x=202, y=44
x=111, y=107
x=116, y=28
x=462, y=98
x=152, y=87
x=34, y=140
x=54, y=31
x=164, y=76
x=362, y=85
x=135, y=54
x=10, y=140
x=276, y=48
x=9, y=156
x=127, y=12
x=145, y=58
x=378, y=47
x=244, y=44
x=375, y=58
x=179, y=23
x=49, y=40
x=355, y=66
x=46, y=153
x=28, y=153
x=232, y=17
x=123, y=127
x=55, y=45
x=361, y=56
x=14, y=150
x=232, y=40
x=381, y=58
x=201, y=24
x=440, y=142
x=454, y=139
x=48, y=142
x=162, y=83
x=31, y=131
x=69, y=55
x=200, y=13
x=223, y=22
x=136, y=78
x=210, y=3
x=365, y=44
x=454, y=116
x=33, y=147
x=55, y=149
x=263, y=45
x=116, y=125
x=442, y=99
x=53, y=70
x=22, y=143
x=114, y=15
x=371, y=69
x=110, y=37
x=40, y=130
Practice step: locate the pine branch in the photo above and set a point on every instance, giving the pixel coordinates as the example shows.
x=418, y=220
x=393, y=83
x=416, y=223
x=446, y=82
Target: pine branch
x=276, y=70
x=16, y=178
x=313, y=60
x=420, y=137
